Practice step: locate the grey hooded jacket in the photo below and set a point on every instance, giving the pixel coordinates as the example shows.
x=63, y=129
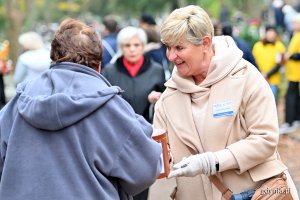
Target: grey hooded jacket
x=69, y=135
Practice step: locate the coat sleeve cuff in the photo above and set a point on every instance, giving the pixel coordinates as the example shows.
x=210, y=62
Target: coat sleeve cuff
x=226, y=160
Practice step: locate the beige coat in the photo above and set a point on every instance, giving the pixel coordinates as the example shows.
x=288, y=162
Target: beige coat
x=251, y=133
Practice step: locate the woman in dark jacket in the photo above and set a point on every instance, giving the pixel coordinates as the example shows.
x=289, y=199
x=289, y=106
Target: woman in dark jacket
x=140, y=77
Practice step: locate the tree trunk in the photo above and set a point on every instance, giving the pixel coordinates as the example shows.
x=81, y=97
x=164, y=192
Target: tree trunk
x=16, y=18
x=174, y=5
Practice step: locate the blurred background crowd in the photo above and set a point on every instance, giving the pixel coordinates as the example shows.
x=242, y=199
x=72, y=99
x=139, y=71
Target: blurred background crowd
x=267, y=31
x=262, y=29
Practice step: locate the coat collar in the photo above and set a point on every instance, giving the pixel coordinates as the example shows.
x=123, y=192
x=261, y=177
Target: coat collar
x=145, y=66
x=226, y=57
x=184, y=126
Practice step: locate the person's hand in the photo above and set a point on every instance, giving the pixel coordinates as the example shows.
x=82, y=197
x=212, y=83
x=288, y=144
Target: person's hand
x=154, y=96
x=204, y=163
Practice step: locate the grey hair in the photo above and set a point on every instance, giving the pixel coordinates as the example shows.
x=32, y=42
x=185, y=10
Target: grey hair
x=31, y=41
x=128, y=33
x=191, y=23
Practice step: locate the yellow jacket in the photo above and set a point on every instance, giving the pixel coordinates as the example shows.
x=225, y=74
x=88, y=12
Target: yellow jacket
x=292, y=66
x=265, y=57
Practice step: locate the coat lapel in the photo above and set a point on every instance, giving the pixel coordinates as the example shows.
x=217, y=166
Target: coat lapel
x=184, y=125
x=219, y=119
x=217, y=128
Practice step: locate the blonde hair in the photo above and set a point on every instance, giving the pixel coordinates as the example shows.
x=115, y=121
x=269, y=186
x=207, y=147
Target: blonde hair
x=190, y=23
x=31, y=41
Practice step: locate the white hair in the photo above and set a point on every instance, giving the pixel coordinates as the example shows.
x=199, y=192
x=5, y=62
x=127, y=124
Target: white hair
x=31, y=41
x=126, y=34
x=288, y=8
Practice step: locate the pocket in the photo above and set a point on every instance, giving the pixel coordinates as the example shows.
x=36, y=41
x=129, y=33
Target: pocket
x=266, y=170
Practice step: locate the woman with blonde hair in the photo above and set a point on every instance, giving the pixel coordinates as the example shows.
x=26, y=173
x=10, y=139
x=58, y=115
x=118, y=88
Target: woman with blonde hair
x=219, y=113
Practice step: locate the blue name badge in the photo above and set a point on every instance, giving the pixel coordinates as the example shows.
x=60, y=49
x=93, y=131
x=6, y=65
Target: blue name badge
x=223, y=109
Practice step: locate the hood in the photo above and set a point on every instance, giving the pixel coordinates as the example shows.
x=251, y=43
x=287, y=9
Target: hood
x=226, y=57
x=36, y=60
x=63, y=95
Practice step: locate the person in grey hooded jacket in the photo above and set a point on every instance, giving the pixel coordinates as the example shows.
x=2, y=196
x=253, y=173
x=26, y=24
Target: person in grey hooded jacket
x=68, y=134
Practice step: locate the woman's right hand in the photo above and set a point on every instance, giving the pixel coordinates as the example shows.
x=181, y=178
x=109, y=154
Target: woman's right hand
x=204, y=163
x=153, y=97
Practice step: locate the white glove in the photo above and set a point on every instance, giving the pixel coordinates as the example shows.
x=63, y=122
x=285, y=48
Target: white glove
x=204, y=163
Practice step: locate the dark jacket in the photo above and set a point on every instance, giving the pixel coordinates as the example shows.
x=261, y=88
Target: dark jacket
x=136, y=90
x=157, y=52
x=69, y=135
x=109, y=44
x=246, y=49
